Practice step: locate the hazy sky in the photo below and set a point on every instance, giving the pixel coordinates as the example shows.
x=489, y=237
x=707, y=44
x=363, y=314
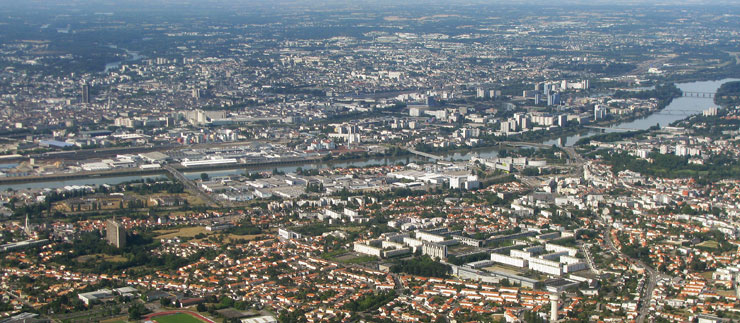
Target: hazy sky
x=186, y=3
x=194, y=7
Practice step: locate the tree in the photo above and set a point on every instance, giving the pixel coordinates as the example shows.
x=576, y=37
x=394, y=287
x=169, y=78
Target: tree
x=136, y=311
x=165, y=301
x=204, y=176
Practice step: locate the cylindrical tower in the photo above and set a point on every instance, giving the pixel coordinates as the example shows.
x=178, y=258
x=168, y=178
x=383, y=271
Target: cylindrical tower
x=554, y=308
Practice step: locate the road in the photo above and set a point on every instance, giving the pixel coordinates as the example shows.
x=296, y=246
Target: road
x=20, y=299
x=589, y=260
x=577, y=160
x=646, y=294
x=192, y=187
x=646, y=298
x=573, y=155
x=530, y=181
x=525, y=144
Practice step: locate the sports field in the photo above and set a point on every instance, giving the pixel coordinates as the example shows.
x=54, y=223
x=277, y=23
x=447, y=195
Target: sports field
x=177, y=318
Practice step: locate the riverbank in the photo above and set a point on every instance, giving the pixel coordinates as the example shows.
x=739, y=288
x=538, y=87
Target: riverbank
x=679, y=108
x=80, y=175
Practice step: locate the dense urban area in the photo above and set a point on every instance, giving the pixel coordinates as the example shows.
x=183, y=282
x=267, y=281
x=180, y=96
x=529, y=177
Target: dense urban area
x=369, y=162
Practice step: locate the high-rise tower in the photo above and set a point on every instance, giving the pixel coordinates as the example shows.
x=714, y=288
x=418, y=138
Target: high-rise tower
x=116, y=233
x=85, y=93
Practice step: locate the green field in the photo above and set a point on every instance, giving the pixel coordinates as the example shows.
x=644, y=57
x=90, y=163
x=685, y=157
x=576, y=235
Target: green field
x=177, y=318
x=709, y=244
x=359, y=260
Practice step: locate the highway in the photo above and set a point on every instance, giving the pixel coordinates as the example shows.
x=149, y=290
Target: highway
x=191, y=186
x=530, y=181
x=525, y=144
x=577, y=160
x=611, y=128
x=576, y=163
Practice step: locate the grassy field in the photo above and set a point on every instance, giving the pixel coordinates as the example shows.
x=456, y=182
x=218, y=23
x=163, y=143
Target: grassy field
x=360, y=260
x=334, y=254
x=507, y=269
x=709, y=244
x=194, y=200
x=177, y=318
x=186, y=232
x=353, y=258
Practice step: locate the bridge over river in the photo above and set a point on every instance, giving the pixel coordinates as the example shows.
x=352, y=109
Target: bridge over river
x=692, y=94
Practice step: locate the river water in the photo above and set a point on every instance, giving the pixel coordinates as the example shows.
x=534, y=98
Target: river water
x=679, y=109
x=132, y=56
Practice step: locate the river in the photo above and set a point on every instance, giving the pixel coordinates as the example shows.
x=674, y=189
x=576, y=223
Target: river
x=679, y=109
x=132, y=56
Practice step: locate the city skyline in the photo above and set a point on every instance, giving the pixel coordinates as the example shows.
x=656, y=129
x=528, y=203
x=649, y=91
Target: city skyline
x=369, y=161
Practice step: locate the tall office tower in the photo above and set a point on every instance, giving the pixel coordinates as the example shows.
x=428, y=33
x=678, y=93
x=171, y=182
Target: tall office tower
x=116, y=234
x=85, y=93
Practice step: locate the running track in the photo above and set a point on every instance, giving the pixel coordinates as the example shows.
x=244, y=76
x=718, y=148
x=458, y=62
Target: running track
x=200, y=317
